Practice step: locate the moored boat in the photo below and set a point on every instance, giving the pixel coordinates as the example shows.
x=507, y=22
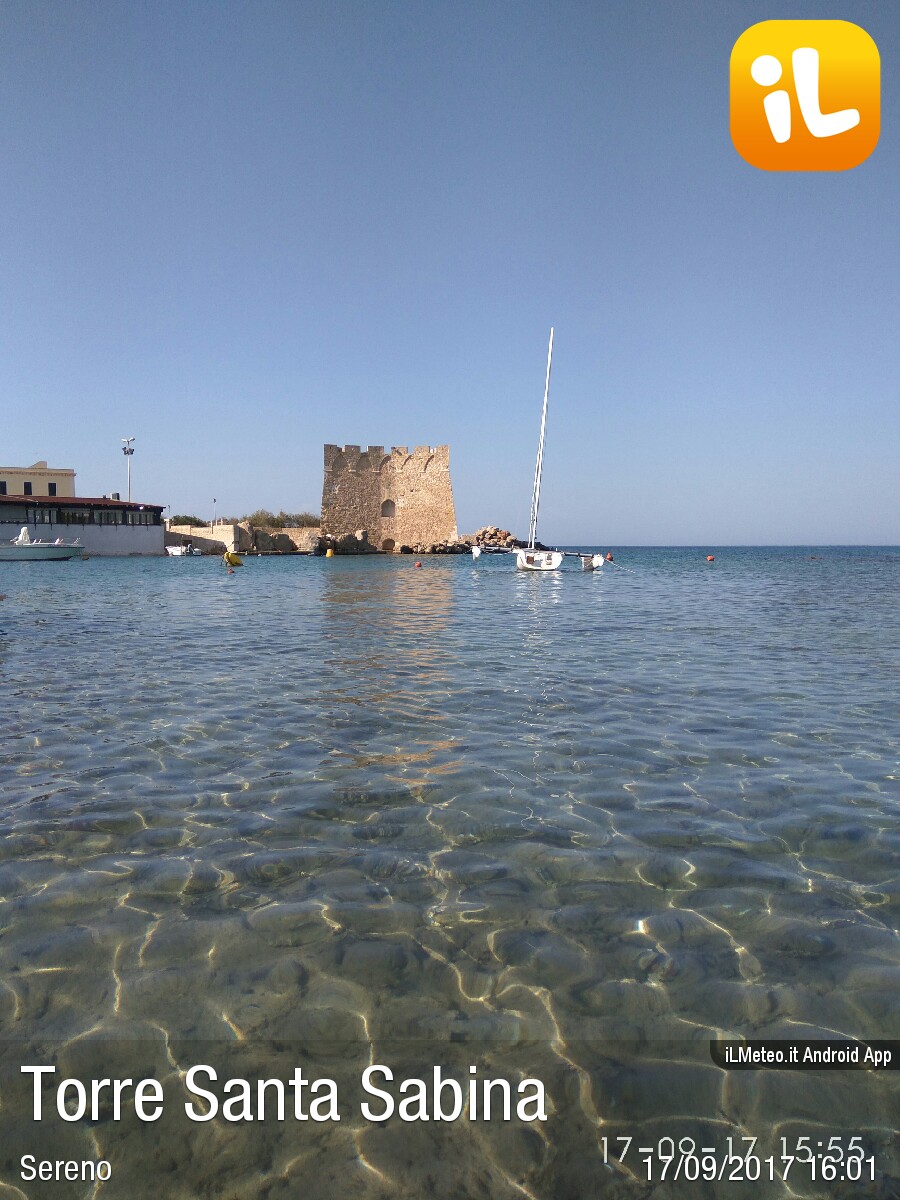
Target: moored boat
x=23, y=549
x=530, y=558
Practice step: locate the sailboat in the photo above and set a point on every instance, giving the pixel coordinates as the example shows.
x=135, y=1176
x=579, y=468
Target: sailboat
x=529, y=558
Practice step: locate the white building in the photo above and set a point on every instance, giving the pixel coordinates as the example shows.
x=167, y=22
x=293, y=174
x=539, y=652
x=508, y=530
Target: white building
x=102, y=525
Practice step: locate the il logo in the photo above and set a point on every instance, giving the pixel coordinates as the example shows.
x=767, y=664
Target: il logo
x=805, y=95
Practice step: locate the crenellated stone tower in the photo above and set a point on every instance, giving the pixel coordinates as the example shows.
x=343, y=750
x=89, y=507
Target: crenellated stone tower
x=400, y=499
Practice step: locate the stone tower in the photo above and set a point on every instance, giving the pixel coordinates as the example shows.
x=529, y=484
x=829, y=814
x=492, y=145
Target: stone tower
x=400, y=499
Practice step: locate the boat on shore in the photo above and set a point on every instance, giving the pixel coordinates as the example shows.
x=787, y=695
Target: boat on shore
x=183, y=551
x=23, y=549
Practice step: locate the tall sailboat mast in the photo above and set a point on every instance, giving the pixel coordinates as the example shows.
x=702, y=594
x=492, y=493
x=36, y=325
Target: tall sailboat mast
x=536, y=490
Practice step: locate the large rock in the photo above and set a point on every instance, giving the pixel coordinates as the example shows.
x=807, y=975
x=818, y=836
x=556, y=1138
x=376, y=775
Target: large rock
x=347, y=545
x=282, y=541
x=492, y=535
x=263, y=539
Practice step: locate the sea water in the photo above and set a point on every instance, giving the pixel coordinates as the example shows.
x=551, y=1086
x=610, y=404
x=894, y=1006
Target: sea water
x=331, y=814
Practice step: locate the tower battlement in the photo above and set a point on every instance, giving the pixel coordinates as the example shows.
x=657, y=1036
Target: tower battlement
x=399, y=497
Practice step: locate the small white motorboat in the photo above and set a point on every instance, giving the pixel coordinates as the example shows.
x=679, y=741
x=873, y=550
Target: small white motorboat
x=183, y=551
x=23, y=549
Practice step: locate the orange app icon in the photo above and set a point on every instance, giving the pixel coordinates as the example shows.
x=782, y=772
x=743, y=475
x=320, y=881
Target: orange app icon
x=805, y=95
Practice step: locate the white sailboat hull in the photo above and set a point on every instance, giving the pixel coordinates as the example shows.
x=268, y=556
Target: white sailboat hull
x=538, y=560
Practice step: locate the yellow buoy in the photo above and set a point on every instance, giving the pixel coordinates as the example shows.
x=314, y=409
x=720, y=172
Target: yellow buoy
x=230, y=559
x=329, y=553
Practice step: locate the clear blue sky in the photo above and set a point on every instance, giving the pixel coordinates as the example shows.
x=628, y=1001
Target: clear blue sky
x=237, y=231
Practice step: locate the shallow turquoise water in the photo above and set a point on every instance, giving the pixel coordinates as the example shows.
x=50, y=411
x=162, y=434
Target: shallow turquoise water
x=349, y=811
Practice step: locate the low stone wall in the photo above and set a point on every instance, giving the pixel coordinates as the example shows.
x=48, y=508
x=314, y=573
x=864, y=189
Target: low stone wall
x=244, y=539
x=211, y=540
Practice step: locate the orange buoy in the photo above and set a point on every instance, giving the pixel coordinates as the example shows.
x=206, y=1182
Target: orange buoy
x=609, y=556
x=418, y=564
x=710, y=558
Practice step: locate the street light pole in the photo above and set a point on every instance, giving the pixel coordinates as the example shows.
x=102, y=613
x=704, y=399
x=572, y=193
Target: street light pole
x=128, y=450
x=214, y=514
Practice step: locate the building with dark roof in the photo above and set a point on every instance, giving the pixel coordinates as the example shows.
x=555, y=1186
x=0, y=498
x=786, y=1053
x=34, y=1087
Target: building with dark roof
x=102, y=524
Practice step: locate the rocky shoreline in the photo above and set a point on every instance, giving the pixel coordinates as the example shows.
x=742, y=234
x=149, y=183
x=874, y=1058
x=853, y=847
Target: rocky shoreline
x=491, y=537
x=245, y=538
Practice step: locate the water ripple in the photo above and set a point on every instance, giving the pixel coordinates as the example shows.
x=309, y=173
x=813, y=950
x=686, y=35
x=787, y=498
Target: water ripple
x=570, y=827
